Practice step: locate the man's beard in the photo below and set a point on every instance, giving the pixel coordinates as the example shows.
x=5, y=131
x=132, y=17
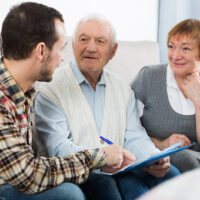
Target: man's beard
x=45, y=72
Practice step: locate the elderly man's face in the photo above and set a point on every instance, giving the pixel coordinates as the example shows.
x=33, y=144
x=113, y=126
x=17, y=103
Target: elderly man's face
x=93, y=46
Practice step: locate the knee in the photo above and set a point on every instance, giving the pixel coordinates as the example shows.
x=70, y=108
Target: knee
x=109, y=182
x=186, y=160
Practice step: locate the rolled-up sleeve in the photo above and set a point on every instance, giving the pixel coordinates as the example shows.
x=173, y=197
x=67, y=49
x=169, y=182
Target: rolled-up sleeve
x=19, y=168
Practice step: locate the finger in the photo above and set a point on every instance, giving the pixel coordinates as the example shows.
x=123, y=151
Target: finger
x=109, y=169
x=119, y=161
x=118, y=165
x=128, y=156
x=163, y=160
x=182, y=138
x=158, y=166
x=185, y=82
x=165, y=165
x=155, y=167
x=197, y=69
x=156, y=173
x=196, y=72
x=185, y=139
x=189, y=77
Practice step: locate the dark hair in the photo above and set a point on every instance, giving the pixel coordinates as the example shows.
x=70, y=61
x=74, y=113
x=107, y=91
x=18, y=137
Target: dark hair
x=188, y=27
x=25, y=26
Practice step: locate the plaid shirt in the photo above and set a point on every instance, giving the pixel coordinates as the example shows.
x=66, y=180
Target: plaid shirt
x=18, y=166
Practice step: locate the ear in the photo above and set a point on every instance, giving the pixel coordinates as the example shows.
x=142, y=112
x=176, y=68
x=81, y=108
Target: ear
x=114, y=50
x=41, y=51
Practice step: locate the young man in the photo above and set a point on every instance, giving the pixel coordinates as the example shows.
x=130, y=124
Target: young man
x=84, y=101
x=33, y=37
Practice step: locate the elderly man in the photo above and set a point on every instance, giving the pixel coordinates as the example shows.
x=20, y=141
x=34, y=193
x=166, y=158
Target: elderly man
x=84, y=101
x=33, y=37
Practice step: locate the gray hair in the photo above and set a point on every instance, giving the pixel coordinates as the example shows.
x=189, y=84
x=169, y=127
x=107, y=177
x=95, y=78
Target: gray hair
x=100, y=18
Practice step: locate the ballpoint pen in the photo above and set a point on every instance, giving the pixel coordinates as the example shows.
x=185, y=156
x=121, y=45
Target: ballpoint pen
x=106, y=140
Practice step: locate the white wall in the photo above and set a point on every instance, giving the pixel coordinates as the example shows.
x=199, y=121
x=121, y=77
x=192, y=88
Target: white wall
x=133, y=19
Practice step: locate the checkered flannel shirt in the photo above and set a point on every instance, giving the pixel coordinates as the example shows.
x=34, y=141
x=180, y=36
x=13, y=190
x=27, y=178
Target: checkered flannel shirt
x=18, y=166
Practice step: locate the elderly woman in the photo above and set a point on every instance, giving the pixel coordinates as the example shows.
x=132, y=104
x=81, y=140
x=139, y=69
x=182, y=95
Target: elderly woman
x=168, y=95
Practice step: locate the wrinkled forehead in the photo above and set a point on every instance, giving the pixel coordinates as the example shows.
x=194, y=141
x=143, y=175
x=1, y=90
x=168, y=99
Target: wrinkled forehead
x=95, y=28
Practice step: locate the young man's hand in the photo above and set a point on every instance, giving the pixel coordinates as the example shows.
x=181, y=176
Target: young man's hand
x=117, y=158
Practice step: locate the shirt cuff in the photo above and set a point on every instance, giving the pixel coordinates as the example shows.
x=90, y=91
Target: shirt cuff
x=98, y=158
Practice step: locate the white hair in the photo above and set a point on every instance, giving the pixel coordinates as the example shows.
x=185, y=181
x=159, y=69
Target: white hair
x=100, y=18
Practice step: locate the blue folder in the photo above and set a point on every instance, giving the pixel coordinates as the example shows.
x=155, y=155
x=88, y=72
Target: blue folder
x=152, y=159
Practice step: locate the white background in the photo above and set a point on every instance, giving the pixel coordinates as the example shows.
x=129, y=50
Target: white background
x=132, y=19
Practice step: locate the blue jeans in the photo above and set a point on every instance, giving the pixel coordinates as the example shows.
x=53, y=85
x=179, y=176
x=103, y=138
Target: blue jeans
x=65, y=191
x=132, y=185
x=101, y=187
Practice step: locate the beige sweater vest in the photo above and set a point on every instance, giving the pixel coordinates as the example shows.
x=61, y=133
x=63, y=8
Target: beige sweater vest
x=66, y=92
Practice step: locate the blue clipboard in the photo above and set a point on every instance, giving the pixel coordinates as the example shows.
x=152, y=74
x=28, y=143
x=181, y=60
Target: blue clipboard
x=152, y=159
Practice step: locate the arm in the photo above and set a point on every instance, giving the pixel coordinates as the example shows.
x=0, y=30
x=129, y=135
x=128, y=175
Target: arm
x=31, y=175
x=51, y=124
x=135, y=136
x=159, y=144
x=20, y=169
x=191, y=87
x=138, y=139
x=172, y=139
x=197, y=118
x=141, y=86
x=127, y=158
x=141, y=138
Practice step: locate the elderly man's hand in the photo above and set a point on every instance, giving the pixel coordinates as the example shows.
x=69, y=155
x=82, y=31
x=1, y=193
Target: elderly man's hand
x=160, y=168
x=122, y=158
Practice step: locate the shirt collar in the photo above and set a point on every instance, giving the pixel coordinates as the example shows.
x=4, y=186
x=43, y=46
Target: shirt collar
x=171, y=81
x=10, y=87
x=81, y=78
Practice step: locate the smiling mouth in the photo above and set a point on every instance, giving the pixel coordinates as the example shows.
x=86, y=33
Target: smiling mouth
x=179, y=64
x=89, y=57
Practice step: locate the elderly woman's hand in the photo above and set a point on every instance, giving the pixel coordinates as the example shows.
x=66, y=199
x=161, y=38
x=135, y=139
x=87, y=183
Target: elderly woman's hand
x=191, y=86
x=174, y=138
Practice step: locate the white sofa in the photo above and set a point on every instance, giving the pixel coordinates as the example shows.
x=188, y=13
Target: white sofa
x=129, y=58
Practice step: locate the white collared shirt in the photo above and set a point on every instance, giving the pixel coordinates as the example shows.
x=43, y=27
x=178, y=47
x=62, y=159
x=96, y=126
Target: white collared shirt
x=178, y=102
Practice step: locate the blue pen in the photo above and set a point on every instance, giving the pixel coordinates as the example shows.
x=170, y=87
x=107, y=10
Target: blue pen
x=106, y=140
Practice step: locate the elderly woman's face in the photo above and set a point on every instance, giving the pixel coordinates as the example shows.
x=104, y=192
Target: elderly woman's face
x=183, y=55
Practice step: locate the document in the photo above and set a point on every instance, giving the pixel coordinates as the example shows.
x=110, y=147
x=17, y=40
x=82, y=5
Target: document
x=152, y=159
